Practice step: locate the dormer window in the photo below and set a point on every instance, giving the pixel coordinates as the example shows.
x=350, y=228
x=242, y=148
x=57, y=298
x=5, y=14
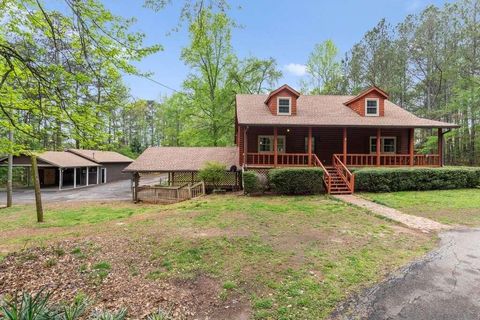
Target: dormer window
x=371, y=107
x=284, y=106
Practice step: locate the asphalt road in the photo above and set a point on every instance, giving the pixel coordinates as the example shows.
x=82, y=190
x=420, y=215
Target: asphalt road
x=118, y=190
x=444, y=285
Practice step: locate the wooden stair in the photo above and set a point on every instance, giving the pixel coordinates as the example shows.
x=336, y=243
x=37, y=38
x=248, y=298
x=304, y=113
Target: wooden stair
x=338, y=185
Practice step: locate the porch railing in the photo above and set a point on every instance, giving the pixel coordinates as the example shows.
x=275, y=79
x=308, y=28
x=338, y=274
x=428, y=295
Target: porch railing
x=391, y=160
x=283, y=159
x=327, y=179
x=344, y=173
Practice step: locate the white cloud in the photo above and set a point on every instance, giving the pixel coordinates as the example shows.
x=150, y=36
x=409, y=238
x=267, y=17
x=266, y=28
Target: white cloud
x=296, y=69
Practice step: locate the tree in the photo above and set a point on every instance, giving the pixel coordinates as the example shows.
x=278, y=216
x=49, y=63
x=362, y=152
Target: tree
x=323, y=69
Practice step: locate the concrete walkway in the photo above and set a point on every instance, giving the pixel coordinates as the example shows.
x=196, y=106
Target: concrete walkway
x=443, y=285
x=414, y=222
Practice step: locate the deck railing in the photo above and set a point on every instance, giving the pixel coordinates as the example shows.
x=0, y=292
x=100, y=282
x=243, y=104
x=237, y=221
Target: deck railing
x=343, y=172
x=389, y=160
x=170, y=194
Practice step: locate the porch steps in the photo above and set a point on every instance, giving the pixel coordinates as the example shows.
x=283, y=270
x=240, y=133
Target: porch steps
x=338, y=185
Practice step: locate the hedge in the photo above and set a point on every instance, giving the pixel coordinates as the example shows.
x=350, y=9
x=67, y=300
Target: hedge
x=253, y=182
x=413, y=179
x=296, y=180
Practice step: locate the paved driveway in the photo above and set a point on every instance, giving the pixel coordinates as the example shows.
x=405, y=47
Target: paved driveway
x=119, y=190
x=444, y=285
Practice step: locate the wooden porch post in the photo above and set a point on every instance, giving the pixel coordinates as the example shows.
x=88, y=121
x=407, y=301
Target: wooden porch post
x=245, y=146
x=345, y=146
x=74, y=178
x=379, y=133
x=411, y=145
x=440, y=147
x=275, y=151
x=309, y=146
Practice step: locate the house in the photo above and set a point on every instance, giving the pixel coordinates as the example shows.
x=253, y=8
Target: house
x=74, y=168
x=332, y=132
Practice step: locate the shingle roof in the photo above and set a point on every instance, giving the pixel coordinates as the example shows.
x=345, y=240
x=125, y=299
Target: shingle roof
x=182, y=158
x=328, y=110
x=101, y=156
x=64, y=159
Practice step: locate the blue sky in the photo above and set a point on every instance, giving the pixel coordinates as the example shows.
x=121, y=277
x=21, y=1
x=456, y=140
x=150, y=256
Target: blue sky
x=284, y=30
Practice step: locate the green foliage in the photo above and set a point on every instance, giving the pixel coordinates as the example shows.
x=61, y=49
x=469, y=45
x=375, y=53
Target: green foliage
x=296, y=180
x=324, y=70
x=107, y=315
x=212, y=173
x=409, y=179
x=253, y=182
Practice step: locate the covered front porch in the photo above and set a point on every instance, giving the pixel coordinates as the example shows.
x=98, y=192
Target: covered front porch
x=270, y=147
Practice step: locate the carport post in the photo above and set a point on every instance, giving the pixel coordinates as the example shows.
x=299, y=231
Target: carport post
x=60, y=178
x=98, y=175
x=88, y=173
x=74, y=178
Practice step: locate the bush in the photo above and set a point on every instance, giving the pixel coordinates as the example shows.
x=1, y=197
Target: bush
x=413, y=179
x=212, y=173
x=296, y=181
x=254, y=182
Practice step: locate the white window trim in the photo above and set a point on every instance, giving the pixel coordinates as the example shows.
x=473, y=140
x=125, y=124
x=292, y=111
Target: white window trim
x=289, y=106
x=378, y=107
x=272, y=142
x=382, y=144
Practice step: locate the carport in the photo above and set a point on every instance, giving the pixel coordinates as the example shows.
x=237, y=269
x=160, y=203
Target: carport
x=58, y=169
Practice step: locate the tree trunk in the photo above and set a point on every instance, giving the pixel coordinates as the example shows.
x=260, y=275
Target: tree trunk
x=36, y=184
x=10, y=173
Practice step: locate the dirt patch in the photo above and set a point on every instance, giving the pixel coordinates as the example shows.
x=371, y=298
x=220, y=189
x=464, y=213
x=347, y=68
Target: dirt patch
x=115, y=278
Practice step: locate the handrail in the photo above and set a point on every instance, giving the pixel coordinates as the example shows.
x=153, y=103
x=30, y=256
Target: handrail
x=344, y=173
x=389, y=160
x=327, y=179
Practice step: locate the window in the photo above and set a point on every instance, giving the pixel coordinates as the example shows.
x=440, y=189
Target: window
x=284, y=106
x=371, y=107
x=265, y=144
x=313, y=144
x=387, y=144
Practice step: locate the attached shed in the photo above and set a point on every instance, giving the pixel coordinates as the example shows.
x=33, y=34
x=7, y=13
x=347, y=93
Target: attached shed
x=179, y=166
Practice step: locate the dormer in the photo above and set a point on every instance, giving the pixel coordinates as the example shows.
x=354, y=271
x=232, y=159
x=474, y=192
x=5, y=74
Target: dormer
x=369, y=103
x=283, y=101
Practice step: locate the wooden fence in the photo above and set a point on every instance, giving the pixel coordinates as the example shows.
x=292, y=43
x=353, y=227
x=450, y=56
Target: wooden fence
x=169, y=194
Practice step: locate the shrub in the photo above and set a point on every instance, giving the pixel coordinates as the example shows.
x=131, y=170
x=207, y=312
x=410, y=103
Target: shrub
x=212, y=173
x=412, y=179
x=296, y=181
x=254, y=182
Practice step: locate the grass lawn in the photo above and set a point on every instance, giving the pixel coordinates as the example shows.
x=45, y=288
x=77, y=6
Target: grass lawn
x=226, y=257
x=454, y=207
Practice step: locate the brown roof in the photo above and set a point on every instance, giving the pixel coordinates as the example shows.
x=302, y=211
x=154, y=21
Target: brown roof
x=365, y=92
x=182, y=158
x=101, y=156
x=327, y=110
x=285, y=86
x=65, y=159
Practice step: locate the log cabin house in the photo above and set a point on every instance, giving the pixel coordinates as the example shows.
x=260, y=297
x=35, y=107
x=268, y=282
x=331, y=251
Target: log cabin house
x=332, y=132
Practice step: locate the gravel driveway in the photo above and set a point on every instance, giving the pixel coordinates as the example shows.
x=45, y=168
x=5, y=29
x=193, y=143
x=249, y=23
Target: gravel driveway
x=118, y=190
x=444, y=285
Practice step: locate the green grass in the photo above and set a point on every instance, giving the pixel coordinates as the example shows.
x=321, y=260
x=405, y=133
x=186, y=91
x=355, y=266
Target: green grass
x=291, y=257
x=454, y=207
x=59, y=216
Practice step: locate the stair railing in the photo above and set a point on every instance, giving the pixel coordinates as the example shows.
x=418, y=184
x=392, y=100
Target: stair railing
x=327, y=179
x=344, y=173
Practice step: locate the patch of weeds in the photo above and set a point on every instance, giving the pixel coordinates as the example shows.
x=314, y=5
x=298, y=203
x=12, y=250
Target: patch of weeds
x=78, y=253
x=59, y=252
x=51, y=262
x=83, y=268
x=229, y=285
x=155, y=274
x=263, y=303
x=28, y=256
x=101, y=270
x=167, y=264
